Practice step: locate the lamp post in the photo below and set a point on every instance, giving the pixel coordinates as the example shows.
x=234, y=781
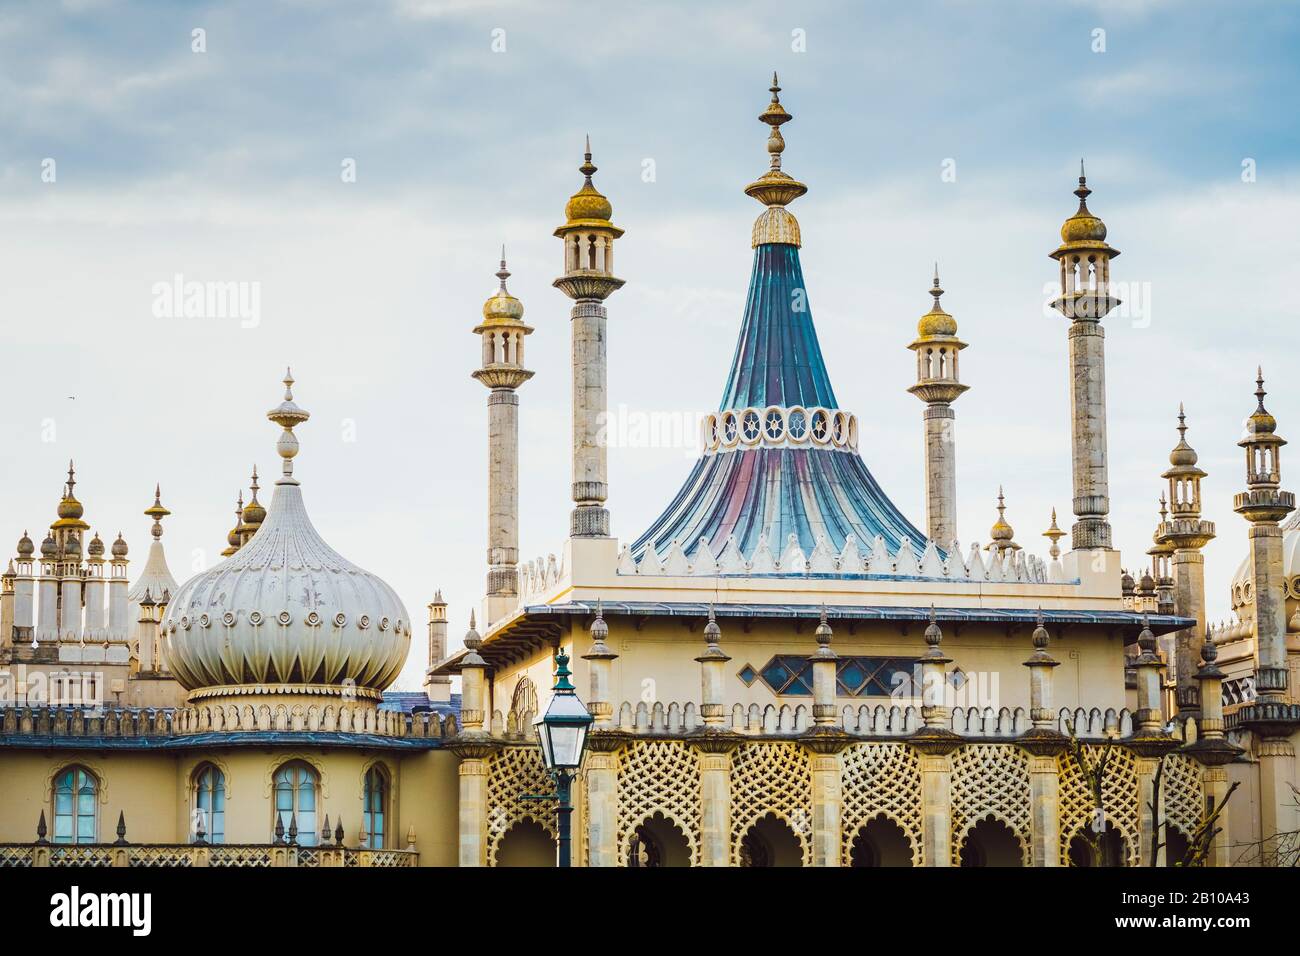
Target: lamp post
x=562, y=732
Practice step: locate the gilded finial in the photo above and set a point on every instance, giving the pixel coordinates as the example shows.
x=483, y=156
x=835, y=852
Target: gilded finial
x=1054, y=534
x=1001, y=534
x=157, y=512
x=775, y=188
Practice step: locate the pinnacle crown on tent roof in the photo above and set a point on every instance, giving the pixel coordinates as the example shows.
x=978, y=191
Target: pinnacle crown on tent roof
x=157, y=512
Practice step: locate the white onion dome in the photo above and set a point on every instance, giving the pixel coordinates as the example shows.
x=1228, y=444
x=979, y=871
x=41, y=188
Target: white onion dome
x=286, y=614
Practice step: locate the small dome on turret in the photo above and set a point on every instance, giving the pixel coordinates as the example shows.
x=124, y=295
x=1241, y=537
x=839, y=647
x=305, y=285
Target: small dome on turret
x=96, y=547
x=1148, y=584
x=1083, y=226
x=502, y=306
x=25, y=547
x=936, y=321
x=1261, y=422
x=49, y=547
x=72, y=546
x=588, y=204
x=1001, y=534
x=119, y=549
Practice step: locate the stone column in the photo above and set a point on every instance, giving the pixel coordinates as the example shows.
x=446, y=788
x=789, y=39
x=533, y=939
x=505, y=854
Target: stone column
x=1189, y=601
x=1145, y=768
x=437, y=686
x=47, y=592
x=7, y=614
x=715, y=743
x=1213, y=751
x=603, y=743
x=940, y=473
x=1045, y=809
x=590, y=406
x=936, y=809
x=1277, y=776
x=1045, y=743
x=475, y=750
x=503, y=494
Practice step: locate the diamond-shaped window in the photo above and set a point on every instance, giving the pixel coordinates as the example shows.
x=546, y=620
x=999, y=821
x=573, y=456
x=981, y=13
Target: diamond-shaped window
x=748, y=675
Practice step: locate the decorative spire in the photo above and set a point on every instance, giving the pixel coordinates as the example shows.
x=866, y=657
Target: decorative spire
x=1083, y=192
x=1164, y=508
x=1001, y=534
x=712, y=635
x=72, y=475
x=933, y=635
x=1054, y=534
x=823, y=635
x=157, y=512
x=287, y=414
x=775, y=188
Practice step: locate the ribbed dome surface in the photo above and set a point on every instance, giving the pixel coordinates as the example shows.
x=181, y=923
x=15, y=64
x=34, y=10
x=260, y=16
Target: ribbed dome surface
x=286, y=609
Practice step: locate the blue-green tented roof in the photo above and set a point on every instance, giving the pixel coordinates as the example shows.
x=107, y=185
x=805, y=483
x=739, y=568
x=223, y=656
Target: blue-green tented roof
x=808, y=491
x=778, y=359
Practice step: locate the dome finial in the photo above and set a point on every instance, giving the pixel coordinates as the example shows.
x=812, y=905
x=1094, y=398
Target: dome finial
x=503, y=273
x=157, y=512
x=775, y=188
x=287, y=414
x=72, y=478
x=1083, y=192
x=1259, y=394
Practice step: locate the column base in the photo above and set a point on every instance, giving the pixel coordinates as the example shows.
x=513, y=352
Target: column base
x=589, y=521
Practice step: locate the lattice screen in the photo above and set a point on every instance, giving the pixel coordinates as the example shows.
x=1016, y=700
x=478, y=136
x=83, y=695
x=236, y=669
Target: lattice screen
x=1119, y=793
x=1180, y=786
x=658, y=776
x=515, y=771
x=881, y=778
x=990, y=779
x=771, y=777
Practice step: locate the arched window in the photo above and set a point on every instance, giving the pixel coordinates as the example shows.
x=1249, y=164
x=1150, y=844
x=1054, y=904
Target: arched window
x=209, y=804
x=76, y=794
x=295, y=801
x=376, y=807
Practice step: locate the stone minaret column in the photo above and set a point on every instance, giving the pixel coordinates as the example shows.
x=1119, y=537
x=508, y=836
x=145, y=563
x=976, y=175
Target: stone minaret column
x=70, y=579
x=601, y=767
x=95, y=628
x=937, y=385
x=118, y=627
x=25, y=592
x=1187, y=534
x=935, y=741
x=47, y=593
x=502, y=370
x=1149, y=719
x=1213, y=751
x=588, y=279
x=1264, y=504
x=1085, y=300
x=147, y=634
x=437, y=687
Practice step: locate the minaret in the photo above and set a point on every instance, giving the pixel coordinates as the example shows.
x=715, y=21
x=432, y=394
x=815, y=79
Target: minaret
x=938, y=385
x=1186, y=533
x=503, y=333
x=118, y=626
x=588, y=279
x=1264, y=504
x=1162, y=553
x=157, y=582
x=1055, y=571
x=1085, y=300
x=437, y=687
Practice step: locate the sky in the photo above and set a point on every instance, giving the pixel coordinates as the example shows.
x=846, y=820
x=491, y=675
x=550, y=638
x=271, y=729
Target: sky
x=355, y=169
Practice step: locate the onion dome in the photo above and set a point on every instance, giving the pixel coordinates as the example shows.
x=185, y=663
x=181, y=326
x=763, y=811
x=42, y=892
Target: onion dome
x=588, y=206
x=119, y=549
x=1260, y=421
x=72, y=546
x=96, y=547
x=233, y=537
x=1083, y=226
x=502, y=307
x=49, y=547
x=1001, y=535
x=254, y=513
x=1127, y=585
x=286, y=614
x=936, y=321
x=1147, y=584
x=25, y=547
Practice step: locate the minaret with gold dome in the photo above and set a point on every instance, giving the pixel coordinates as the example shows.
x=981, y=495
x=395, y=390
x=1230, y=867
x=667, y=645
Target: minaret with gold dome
x=1085, y=299
x=1186, y=533
x=503, y=332
x=1264, y=504
x=938, y=385
x=589, y=279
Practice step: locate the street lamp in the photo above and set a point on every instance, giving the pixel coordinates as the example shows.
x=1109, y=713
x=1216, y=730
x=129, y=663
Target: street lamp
x=562, y=732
